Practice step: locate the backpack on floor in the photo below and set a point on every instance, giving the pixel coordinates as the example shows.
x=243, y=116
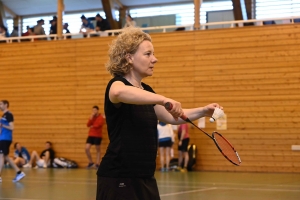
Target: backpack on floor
x=64, y=163
x=173, y=164
x=192, y=151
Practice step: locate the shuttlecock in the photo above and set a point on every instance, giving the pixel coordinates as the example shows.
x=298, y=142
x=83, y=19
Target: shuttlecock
x=217, y=114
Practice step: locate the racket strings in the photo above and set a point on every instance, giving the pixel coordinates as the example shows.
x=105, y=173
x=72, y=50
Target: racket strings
x=227, y=149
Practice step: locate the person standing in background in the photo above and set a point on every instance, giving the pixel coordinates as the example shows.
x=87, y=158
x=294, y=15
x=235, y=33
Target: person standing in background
x=39, y=29
x=103, y=24
x=129, y=22
x=7, y=127
x=165, y=133
x=95, y=124
x=184, y=139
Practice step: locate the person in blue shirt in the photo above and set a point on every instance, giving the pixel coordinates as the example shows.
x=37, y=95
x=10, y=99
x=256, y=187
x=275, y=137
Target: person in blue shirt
x=6, y=129
x=86, y=26
x=21, y=155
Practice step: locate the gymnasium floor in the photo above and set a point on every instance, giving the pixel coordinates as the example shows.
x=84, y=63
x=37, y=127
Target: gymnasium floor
x=80, y=184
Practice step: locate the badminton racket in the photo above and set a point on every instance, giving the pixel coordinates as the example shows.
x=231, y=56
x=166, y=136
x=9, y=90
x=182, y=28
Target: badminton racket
x=223, y=145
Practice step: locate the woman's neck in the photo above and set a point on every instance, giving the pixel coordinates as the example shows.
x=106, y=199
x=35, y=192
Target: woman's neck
x=134, y=81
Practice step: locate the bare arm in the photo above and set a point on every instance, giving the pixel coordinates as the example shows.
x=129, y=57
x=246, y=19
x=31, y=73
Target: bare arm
x=121, y=93
x=193, y=114
x=182, y=135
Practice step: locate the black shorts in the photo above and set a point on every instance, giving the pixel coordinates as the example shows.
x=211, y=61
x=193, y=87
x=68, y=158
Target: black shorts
x=94, y=140
x=167, y=143
x=4, y=147
x=184, y=145
x=127, y=189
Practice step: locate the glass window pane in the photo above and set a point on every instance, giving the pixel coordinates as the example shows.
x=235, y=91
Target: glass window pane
x=277, y=8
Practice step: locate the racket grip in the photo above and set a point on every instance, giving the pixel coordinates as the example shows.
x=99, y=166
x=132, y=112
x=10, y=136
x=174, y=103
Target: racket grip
x=169, y=106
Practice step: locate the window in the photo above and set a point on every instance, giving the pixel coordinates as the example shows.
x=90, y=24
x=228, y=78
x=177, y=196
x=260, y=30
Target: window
x=10, y=25
x=184, y=12
x=277, y=8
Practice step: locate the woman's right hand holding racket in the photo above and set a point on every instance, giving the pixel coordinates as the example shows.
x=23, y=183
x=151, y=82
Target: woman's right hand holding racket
x=175, y=108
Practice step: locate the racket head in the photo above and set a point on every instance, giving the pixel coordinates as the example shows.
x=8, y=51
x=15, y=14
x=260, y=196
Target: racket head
x=226, y=148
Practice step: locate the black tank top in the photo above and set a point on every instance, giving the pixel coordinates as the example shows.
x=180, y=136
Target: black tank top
x=132, y=131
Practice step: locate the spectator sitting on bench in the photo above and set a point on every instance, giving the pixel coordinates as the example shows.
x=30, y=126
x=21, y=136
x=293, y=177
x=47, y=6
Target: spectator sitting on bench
x=21, y=155
x=43, y=160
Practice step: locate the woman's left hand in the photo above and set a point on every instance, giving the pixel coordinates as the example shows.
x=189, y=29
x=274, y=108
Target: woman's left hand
x=210, y=108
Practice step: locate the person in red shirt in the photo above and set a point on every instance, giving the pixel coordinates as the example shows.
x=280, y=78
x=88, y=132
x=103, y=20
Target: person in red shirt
x=184, y=138
x=95, y=124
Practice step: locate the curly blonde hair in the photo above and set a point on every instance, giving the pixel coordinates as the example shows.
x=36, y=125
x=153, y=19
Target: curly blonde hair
x=126, y=43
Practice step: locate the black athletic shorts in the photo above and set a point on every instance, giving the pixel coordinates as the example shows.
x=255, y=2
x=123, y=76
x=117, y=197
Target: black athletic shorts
x=127, y=189
x=4, y=147
x=93, y=140
x=184, y=145
x=167, y=143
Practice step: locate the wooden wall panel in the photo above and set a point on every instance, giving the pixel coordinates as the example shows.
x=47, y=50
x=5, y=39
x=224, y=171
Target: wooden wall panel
x=252, y=71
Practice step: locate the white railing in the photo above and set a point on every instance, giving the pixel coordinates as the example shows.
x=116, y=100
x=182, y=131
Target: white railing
x=189, y=27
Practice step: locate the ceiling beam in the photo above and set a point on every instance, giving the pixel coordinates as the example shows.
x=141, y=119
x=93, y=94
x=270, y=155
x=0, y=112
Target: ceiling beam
x=9, y=11
x=2, y=15
x=197, y=5
x=239, y=10
x=60, y=10
x=109, y=10
x=118, y=2
x=249, y=8
x=122, y=15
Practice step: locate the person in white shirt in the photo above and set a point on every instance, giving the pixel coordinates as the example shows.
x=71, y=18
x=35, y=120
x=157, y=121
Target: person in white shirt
x=129, y=22
x=165, y=134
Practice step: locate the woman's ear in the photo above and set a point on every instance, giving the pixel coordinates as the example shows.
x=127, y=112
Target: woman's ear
x=129, y=58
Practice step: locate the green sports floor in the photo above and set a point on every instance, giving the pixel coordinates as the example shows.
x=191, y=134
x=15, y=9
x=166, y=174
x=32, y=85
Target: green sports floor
x=80, y=184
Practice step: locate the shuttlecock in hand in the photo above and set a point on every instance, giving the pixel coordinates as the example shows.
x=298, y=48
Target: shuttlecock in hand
x=217, y=114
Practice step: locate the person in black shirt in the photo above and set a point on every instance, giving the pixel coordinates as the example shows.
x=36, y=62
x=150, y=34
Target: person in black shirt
x=45, y=159
x=66, y=30
x=103, y=24
x=53, y=27
x=132, y=109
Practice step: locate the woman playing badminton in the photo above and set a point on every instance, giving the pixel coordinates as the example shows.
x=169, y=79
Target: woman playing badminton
x=132, y=109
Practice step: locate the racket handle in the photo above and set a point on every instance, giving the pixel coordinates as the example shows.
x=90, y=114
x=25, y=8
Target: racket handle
x=169, y=106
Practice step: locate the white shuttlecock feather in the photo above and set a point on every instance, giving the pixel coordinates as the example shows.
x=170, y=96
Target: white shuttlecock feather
x=216, y=115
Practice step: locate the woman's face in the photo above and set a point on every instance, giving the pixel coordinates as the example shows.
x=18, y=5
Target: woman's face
x=143, y=60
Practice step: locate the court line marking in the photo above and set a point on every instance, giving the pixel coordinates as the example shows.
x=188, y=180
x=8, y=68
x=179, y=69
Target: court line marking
x=57, y=182
x=259, y=189
x=220, y=183
x=189, y=191
x=190, y=183
x=17, y=199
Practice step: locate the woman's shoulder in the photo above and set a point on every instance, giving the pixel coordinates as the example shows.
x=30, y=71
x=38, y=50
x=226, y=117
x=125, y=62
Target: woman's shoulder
x=117, y=78
x=114, y=79
x=147, y=87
